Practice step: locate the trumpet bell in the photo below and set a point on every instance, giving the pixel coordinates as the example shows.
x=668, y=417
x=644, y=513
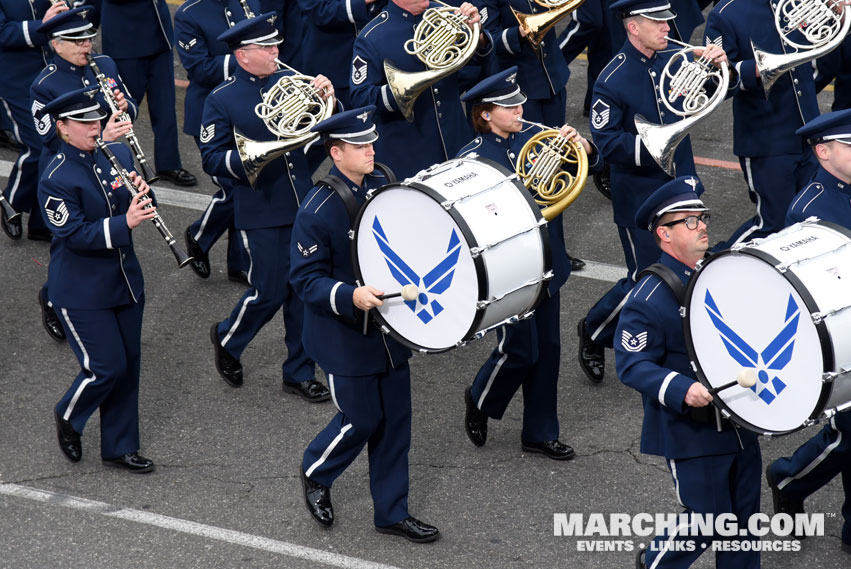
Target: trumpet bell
x=537, y=26
x=256, y=155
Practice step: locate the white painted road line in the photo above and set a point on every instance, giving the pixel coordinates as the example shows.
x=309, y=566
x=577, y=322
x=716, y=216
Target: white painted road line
x=191, y=528
x=198, y=202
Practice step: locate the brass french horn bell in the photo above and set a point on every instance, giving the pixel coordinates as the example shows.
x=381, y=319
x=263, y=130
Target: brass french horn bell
x=536, y=26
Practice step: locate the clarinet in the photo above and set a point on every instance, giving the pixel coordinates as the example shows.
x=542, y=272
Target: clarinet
x=179, y=254
x=11, y=214
x=109, y=96
x=248, y=13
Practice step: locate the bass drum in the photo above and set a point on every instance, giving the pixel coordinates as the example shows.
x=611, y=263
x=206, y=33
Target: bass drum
x=777, y=306
x=469, y=236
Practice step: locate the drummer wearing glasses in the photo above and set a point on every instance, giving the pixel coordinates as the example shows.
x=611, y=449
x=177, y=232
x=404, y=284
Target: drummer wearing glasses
x=715, y=466
x=527, y=353
x=828, y=453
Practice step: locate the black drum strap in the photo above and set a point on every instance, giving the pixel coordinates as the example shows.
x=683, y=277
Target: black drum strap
x=669, y=277
x=352, y=207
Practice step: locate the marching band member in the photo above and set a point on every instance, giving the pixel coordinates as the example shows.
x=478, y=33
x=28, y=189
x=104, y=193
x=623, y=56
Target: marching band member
x=70, y=37
x=528, y=352
x=147, y=65
x=330, y=29
x=836, y=67
x=208, y=62
x=715, y=465
x=263, y=213
x=828, y=197
x=439, y=128
x=629, y=85
x=543, y=72
x=775, y=161
x=368, y=373
x=22, y=57
x=96, y=281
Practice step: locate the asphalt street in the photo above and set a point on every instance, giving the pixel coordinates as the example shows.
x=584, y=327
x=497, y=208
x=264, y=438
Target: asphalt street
x=226, y=491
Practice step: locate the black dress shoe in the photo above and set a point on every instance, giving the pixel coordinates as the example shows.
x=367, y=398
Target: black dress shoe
x=8, y=140
x=131, y=462
x=179, y=177
x=39, y=234
x=846, y=547
x=200, y=262
x=50, y=320
x=11, y=228
x=318, y=500
x=555, y=450
x=783, y=504
x=576, y=264
x=592, y=358
x=228, y=366
x=411, y=529
x=475, y=421
x=311, y=390
x=69, y=439
x=240, y=277
x=639, y=559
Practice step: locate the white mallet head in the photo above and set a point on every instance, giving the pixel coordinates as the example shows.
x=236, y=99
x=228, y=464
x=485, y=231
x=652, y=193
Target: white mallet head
x=409, y=292
x=746, y=378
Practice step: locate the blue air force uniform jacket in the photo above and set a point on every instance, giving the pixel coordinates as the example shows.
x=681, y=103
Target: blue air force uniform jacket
x=762, y=126
x=330, y=29
x=439, y=129
x=22, y=49
x=274, y=199
x=83, y=202
x=135, y=28
x=651, y=357
x=61, y=77
x=628, y=86
x=207, y=61
x=504, y=152
x=541, y=73
x=323, y=277
x=826, y=197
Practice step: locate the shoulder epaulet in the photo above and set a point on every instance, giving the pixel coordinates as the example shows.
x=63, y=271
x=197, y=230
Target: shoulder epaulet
x=612, y=66
x=382, y=17
x=54, y=164
x=227, y=83
x=186, y=5
x=669, y=277
x=721, y=7
x=472, y=145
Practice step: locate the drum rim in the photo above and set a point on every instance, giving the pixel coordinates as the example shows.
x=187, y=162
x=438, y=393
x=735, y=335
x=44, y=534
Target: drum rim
x=478, y=262
x=828, y=355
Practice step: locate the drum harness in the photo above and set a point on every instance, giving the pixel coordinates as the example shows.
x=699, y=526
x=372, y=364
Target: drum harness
x=352, y=210
x=670, y=278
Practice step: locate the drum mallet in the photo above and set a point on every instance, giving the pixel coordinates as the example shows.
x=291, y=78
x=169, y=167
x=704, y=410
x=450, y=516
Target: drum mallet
x=746, y=378
x=409, y=292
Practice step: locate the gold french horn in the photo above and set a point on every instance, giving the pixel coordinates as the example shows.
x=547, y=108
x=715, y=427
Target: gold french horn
x=540, y=167
x=444, y=43
x=289, y=109
x=536, y=26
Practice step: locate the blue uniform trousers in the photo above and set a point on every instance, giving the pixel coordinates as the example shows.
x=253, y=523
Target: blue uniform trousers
x=374, y=410
x=154, y=76
x=527, y=353
x=269, y=276
x=218, y=218
x=640, y=251
x=772, y=183
x=108, y=345
x=816, y=462
x=549, y=112
x=726, y=483
x=23, y=180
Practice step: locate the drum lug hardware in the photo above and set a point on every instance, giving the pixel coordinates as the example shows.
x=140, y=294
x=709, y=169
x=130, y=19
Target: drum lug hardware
x=482, y=304
x=829, y=376
x=542, y=222
x=682, y=311
x=351, y=234
x=548, y=276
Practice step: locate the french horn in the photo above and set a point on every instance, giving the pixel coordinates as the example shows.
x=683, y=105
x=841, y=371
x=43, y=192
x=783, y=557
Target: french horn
x=823, y=29
x=688, y=89
x=540, y=167
x=536, y=26
x=289, y=110
x=444, y=43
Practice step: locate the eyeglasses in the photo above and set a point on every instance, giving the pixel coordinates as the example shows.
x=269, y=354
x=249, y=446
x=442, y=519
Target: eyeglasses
x=80, y=41
x=690, y=221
